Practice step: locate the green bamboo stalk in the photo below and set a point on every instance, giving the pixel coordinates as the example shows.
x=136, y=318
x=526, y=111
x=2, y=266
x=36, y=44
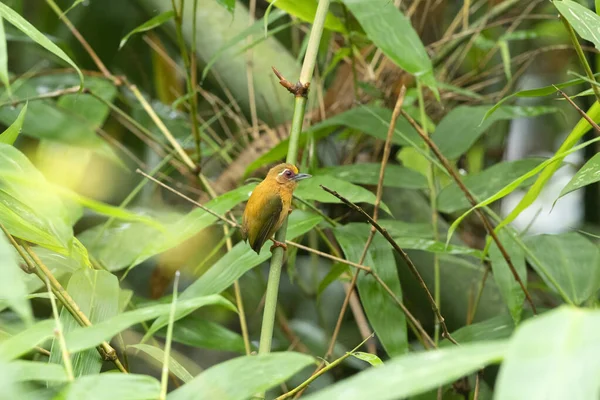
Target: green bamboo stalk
x=310, y=59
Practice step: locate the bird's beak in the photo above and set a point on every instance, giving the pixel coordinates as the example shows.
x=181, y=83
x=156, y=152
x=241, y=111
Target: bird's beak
x=299, y=177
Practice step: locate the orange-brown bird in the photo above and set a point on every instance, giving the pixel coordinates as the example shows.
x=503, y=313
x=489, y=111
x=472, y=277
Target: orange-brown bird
x=269, y=205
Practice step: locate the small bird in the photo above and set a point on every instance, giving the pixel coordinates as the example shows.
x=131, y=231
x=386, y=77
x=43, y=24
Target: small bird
x=269, y=205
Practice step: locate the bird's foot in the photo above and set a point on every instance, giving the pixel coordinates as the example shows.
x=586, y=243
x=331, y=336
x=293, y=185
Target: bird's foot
x=290, y=211
x=276, y=244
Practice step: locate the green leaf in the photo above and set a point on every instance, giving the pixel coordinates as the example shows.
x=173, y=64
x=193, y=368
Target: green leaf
x=4, y=78
x=394, y=35
x=547, y=168
x=117, y=246
x=240, y=259
x=84, y=338
x=433, y=246
x=511, y=291
x=29, y=208
x=569, y=264
x=192, y=223
x=159, y=355
x=334, y=273
x=555, y=356
x=22, y=342
x=199, y=332
x=583, y=20
x=97, y=295
x=22, y=371
x=397, y=228
x=496, y=328
x=151, y=24
x=538, y=92
x=253, y=374
x=577, y=133
x=71, y=120
x=485, y=183
x=12, y=285
x=368, y=174
x=228, y=4
x=12, y=132
x=588, y=174
x=414, y=373
x=368, y=357
x=28, y=29
x=112, y=386
x=306, y=10
x=468, y=121
x=384, y=315
x=311, y=189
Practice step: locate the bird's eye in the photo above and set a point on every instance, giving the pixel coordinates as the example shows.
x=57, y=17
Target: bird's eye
x=288, y=173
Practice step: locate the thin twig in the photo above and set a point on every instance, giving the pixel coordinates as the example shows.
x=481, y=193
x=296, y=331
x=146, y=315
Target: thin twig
x=83, y=42
x=473, y=202
x=402, y=253
x=300, y=388
x=579, y=110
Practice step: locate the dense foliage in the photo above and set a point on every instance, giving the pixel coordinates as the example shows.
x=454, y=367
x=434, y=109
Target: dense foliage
x=446, y=246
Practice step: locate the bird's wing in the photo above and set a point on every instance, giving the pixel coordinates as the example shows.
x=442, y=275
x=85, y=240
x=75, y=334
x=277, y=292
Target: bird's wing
x=271, y=209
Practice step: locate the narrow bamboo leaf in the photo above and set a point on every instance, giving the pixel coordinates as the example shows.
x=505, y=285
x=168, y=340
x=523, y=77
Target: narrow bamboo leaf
x=22, y=342
x=311, y=189
x=159, y=355
x=112, y=386
x=192, y=223
x=368, y=174
x=583, y=20
x=31, y=212
x=577, y=133
x=553, y=357
x=414, y=373
x=547, y=168
x=148, y=25
x=505, y=54
x=384, y=315
x=306, y=10
x=368, y=357
x=569, y=264
x=97, y=294
x=334, y=273
x=228, y=4
x=71, y=120
x=433, y=246
x=511, y=291
x=393, y=33
x=84, y=338
x=12, y=285
x=496, y=328
x=12, y=132
x=398, y=228
x=588, y=174
x=484, y=184
x=253, y=374
x=4, y=78
x=240, y=259
x=538, y=92
x=20, y=23
x=37, y=371
x=468, y=121
x=199, y=332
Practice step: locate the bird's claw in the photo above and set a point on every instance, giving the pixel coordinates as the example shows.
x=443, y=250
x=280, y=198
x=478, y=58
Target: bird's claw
x=276, y=244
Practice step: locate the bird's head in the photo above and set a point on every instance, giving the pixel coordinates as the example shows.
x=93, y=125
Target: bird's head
x=286, y=175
